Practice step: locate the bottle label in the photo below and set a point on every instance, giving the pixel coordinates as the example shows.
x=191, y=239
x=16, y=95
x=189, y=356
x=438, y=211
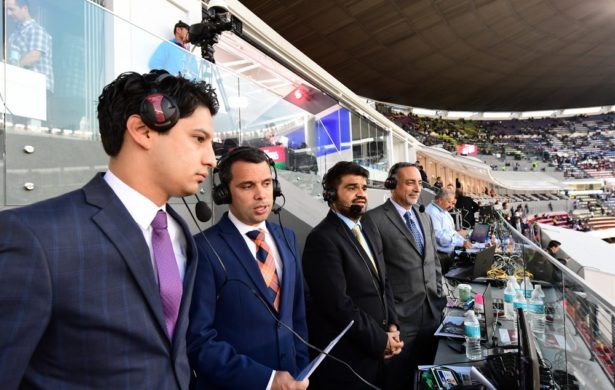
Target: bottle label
x=508, y=298
x=518, y=304
x=537, y=308
x=472, y=330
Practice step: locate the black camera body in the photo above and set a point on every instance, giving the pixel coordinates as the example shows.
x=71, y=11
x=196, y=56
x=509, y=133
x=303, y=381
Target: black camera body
x=216, y=19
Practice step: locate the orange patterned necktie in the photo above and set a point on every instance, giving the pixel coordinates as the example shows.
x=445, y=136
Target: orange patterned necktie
x=266, y=265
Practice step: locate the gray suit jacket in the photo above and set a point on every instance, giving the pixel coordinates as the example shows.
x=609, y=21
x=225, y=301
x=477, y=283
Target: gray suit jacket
x=79, y=303
x=415, y=279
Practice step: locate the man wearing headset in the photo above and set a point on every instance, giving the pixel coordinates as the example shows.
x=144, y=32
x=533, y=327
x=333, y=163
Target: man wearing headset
x=96, y=283
x=413, y=269
x=347, y=281
x=249, y=287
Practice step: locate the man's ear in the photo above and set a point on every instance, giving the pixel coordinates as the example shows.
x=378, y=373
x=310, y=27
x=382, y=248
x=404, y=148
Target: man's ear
x=139, y=132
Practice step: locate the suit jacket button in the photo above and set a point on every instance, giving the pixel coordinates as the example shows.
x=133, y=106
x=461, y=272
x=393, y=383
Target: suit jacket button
x=384, y=322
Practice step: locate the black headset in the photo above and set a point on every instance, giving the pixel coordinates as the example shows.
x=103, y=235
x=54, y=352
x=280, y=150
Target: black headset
x=220, y=193
x=158, y=110
x=329, y=194
x=391, y=182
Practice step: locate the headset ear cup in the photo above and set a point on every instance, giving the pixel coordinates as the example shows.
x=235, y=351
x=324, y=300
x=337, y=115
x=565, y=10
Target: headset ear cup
x=390, y=183
x=159, y=111
x=329, y=195
x=220, y=194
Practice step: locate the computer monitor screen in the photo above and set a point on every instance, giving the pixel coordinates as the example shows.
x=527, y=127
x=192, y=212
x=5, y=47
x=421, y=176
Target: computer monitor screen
x=489, y=317
x=483, y=261
x=529, y=365
x=479, y=234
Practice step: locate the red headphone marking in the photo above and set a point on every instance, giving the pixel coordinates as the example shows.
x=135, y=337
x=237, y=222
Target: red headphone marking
x=155, y=99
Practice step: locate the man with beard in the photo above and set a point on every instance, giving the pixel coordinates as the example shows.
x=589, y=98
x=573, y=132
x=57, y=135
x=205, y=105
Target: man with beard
x=346, y=279
x=413, y=268
x=248, y=283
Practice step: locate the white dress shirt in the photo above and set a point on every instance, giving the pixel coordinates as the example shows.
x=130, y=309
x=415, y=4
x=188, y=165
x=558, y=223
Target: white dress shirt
x=243, y=229
x=143, y=211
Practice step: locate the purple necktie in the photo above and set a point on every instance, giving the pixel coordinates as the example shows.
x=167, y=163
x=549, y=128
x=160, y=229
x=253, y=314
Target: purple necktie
x=169, y=282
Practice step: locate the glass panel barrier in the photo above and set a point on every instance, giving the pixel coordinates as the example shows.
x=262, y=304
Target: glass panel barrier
x=51, y=134
x=50, y=129
x=577, y=342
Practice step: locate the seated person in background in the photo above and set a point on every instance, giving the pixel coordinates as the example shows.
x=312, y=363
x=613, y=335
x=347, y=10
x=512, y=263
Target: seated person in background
x=438, y=183
x=447, y=238
x=543, y=269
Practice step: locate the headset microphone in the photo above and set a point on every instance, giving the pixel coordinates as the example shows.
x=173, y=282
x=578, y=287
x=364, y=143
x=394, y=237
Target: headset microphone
x=202, y=209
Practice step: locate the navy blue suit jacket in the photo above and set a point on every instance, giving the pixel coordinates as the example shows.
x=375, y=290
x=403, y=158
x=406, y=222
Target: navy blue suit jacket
x=233, y=342
x=79, y=303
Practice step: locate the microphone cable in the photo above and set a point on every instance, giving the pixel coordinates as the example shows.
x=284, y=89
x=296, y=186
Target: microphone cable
x=264, y=303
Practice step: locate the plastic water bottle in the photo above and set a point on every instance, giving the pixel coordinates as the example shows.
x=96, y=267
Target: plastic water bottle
x=519, y=302
x=537, y=312
x=538, y=290
x=510, y=244
x=509, y=296
x=495, y=241
x=527, y=287
x=515, y=284
x=472, y=331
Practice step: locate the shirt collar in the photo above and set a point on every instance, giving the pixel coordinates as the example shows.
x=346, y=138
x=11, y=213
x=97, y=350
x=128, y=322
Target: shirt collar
x=242, y=227
x=349, y=222
x=402, y=210
x=178, y=43
x=141, y=209
x=438, y=207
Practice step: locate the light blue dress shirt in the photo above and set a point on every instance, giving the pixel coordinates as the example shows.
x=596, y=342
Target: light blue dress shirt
x=447, y=237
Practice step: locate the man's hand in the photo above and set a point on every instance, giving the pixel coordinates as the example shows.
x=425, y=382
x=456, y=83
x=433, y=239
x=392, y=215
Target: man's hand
x=467, y=244
x=282, y=380
x=462, y=233
x=394, y=344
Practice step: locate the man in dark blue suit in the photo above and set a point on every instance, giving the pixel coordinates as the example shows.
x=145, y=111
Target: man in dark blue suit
x=95, y=285
x=248, y=283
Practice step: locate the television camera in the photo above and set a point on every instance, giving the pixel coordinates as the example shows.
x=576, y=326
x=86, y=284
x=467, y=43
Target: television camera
x=216, y=19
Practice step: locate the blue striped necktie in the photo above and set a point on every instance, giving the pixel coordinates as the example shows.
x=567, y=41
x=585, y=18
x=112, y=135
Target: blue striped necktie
x=415, y=232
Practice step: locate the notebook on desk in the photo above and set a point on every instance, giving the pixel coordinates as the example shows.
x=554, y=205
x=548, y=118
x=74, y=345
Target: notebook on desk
x=482, y=263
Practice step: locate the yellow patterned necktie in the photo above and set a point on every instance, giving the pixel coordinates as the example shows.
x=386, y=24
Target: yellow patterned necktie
x=357, y=232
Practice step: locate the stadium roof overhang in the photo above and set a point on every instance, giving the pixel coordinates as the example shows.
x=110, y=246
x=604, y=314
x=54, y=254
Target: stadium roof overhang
x=473, y=56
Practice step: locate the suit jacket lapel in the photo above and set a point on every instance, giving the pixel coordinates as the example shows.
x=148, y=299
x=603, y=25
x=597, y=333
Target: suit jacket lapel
x=370, y=233
x=115, y=221
x=288, y=266
x=347, y=234
x=244, y=256
x=399, y=223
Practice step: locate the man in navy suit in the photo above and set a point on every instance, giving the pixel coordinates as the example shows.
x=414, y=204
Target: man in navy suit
x=95, y=284
x=249, y=287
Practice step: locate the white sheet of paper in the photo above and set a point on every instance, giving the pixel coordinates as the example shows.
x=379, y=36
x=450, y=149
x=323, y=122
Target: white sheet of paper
x=309, y=369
